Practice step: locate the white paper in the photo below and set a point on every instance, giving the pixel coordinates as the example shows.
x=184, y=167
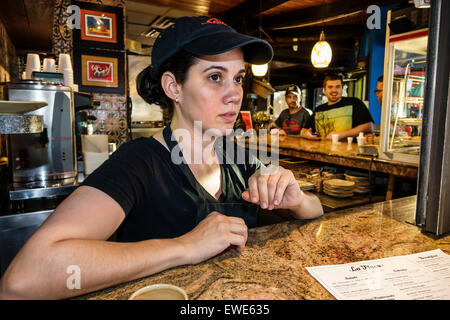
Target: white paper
x=419, y=276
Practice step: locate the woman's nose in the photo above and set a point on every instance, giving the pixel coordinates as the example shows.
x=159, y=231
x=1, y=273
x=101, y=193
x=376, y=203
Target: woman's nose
x=233, y=93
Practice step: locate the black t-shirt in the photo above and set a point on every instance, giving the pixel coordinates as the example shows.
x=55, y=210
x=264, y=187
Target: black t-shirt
x=344, y=115
x=159, y=199
x=292, y=123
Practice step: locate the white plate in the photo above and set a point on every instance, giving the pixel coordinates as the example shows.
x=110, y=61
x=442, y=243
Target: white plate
x=20, y=107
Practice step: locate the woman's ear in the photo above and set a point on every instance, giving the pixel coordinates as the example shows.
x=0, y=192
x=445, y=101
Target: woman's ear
x=170, y=85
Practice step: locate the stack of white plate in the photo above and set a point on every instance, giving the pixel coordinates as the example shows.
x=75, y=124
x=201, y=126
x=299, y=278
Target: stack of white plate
x=339, y=188
x=361, y=180
x=305, y=185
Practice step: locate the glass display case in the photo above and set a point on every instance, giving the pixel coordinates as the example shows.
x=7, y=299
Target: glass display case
x=403, y=96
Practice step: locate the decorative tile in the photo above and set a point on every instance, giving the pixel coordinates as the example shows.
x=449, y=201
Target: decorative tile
x=112, y=113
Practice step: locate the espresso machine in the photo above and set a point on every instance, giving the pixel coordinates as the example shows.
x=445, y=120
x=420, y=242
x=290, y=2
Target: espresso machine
x=43, y=165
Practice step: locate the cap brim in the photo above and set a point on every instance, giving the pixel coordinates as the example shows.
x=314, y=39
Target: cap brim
x=256, y=51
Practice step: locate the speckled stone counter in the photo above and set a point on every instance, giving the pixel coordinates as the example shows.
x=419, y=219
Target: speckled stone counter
x=272, y=266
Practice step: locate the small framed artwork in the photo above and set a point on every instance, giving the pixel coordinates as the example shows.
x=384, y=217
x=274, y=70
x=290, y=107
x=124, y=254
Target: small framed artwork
x=100, y=27
x=99, y=71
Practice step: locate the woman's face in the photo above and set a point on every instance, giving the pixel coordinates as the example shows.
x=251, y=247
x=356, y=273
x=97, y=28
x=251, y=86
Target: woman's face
x=212, y=92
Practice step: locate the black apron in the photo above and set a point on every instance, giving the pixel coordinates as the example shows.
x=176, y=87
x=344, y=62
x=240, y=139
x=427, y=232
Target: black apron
x=206, y=202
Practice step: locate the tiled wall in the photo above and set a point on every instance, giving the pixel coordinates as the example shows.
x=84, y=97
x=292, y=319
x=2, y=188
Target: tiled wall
x=112, y=113
x=8, y=59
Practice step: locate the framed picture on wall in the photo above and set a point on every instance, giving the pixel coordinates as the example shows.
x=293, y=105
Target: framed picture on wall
x=100, y=27
x=99, y=70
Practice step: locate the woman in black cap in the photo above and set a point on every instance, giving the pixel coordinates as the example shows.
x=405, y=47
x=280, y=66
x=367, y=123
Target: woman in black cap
x=168, y=203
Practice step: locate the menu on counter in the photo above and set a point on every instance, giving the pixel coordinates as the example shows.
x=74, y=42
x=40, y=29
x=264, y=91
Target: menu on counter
x=419, y=276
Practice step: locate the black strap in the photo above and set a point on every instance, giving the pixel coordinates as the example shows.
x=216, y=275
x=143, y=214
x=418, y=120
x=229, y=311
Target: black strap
x=247, y=211
x=172, y=143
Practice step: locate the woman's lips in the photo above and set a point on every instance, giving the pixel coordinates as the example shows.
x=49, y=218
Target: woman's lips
x=229, y=116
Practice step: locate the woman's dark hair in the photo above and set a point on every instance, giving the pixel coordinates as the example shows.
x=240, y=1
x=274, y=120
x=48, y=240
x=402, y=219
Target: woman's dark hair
x=148, y=82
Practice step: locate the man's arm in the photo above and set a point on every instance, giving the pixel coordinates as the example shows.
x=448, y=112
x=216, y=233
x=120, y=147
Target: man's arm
x=307, y=134
x=365, y=128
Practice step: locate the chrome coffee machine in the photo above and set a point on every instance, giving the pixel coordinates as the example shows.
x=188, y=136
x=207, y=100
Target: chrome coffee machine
x=45, y=159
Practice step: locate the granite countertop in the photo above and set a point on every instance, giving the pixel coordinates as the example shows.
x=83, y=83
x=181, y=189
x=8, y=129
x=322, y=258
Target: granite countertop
x=323, y=150
x=272, y=266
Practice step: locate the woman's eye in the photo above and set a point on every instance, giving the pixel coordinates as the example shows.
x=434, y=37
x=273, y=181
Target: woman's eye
x=215, y=77
x=239, y=79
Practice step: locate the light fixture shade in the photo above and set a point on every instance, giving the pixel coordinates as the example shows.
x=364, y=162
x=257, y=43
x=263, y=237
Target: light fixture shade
x=259, y=70
x=321, y=53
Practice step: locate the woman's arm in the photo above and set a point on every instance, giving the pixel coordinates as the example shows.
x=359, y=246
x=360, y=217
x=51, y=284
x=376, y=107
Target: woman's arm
x=276, y=188
x=75, y=235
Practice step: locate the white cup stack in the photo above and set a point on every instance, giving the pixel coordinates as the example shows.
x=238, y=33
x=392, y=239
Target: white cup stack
x=64, y=61
x=49, y=65
x=33, y=64
x=65, y=67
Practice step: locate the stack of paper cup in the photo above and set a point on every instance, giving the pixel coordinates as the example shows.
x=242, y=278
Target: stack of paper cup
x=64, y=62
x=33, y=64
x=65, y=67
x=49, y=65
x=68, y=77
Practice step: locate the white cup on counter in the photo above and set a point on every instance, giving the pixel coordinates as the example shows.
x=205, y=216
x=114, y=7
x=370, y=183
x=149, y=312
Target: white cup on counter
x=33, y=64
x=49, y=65
x=68, y=76
x=335, y=138
x=159, y=292
x=349, y=140
x=360, y=141
x=64, y=62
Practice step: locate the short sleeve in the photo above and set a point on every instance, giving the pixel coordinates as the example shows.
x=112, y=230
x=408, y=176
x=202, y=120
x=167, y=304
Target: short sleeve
x=361, y=113
x=310, y=124
x=280, y=119
x=121, y=176
x=305, y=119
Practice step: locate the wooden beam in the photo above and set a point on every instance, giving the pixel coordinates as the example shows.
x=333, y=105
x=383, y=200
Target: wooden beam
x=29, y=23
x=248, y=10
x=317, y=13
x=347, y=31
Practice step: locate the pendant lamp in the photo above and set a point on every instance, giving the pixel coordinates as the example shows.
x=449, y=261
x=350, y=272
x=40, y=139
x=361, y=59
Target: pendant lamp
x=260, y=70
x=321, y=53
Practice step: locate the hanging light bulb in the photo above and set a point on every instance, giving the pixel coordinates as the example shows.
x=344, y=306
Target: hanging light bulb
x=259, y=70
x=321, y=53
x=295, y=46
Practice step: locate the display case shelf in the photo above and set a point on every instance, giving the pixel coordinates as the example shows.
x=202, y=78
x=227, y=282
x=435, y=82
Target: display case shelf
x=403, y=100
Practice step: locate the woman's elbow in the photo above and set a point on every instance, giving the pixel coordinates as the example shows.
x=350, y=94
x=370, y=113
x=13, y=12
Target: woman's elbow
x=13, y=285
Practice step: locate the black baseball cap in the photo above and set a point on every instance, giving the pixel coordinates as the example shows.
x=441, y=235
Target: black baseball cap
x=294, y=89
x=205, y=35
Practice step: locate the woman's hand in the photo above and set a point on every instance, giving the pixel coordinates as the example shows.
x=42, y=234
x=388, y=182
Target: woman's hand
x=213, y=235
x=273, y=188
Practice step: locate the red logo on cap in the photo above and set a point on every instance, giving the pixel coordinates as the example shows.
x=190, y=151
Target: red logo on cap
x=214, y=21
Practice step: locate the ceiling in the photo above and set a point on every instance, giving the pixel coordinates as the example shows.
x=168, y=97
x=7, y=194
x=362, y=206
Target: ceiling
x=283, y=23
x=29, y=24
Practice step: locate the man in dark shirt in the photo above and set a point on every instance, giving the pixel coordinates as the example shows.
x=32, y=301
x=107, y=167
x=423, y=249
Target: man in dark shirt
x=292, y=120
x=346, y=117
